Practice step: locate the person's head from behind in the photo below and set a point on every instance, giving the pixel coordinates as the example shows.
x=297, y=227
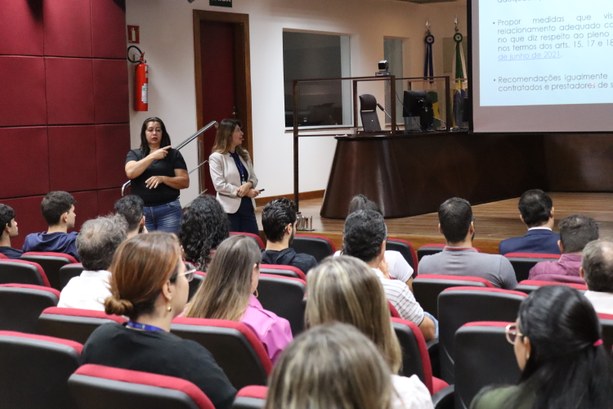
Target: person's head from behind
x=576, y=231
x=204, y=225
x=455, y=217
x=278, y=220
x=535, y=207
x=98, y=240
x=231, y=278
x=597, y=266
x=153, y=133
x=361, y=202
x=58, y=208
x=558, y=346
x=364, y=235
x=131, y=207
x=7, y=221
x=345, y=289
x=229, y=136
x=330, y=366
x=148, y=277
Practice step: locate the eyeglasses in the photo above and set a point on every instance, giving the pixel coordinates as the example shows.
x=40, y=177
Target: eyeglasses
x=511, y=332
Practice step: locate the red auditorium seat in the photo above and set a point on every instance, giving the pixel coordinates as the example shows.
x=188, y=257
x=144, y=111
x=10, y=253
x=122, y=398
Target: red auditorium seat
x=102, y=387
x=22, y=271
x=285, y=296
x=250, y=397
x=254, y=236
x=235, y=347
x=279, y=269
x=21, y=304
x=429, y=249
x=51, y=262
x=405, y=248
x=316, y=245
x=523, y=262
x=73, y=323
x=528, y=286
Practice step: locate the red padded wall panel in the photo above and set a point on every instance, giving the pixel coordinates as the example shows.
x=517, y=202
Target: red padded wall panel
x=21, y=28
x=68, y=28
x=86, y=207
x=111, y=101
x=70, y=95
x=28, y=217
x=72, y=153
x=112, y=145
x=109, y=28
x=23, y=91
x=107, y=199
x=24, y=161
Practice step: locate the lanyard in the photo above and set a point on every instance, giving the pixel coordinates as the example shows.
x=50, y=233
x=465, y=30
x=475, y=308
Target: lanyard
x=142, y=327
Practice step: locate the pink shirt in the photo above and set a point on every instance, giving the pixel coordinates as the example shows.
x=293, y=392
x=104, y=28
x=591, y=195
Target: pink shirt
x=274, y=331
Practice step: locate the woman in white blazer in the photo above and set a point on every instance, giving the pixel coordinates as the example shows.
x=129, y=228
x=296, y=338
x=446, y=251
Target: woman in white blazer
x=233, y=177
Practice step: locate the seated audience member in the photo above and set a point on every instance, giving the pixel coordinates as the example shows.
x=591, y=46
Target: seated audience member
x=228, y=293
x=344, y=289
x=96, y=243
x=204, y=225
x=559, y=350
x=536, y=212
x=279, y=223
x=575, y=232
x=59, y=212
x=330, y=366
x=393, y=261
x=597, y=271
x=131, y=208
x=459, y=257
x=364, y=237
x=149, y=284
x=9, y=229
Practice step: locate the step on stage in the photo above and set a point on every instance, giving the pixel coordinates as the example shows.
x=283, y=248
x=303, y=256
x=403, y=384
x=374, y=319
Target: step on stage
x=494, y=221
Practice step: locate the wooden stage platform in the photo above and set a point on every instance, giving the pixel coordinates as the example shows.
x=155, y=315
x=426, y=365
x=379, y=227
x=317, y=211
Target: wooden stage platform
x=494, y=221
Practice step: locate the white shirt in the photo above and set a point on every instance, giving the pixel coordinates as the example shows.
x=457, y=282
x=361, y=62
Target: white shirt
x=602, y=302
x=87, y=291
x=411, y=393
x=402, y=298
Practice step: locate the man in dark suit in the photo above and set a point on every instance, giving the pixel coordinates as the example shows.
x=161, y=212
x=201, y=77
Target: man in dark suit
x=536, y=211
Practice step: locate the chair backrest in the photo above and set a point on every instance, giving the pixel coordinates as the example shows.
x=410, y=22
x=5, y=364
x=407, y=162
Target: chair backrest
x=73, y=323
x=22, y=271
x=254, y=236
x=368, y=113
x=415, y=358
x=427, y=287
x=482, y=357
x=102, y=387
x=35, y=370
x=527, y=286
x=280, y=269
x=236, y=348
x=196, y=282
x=405, y=248
x=285, y=296
x=68, y=271
x=250, y=397
x=523, y=262
x=3, y=256
x=21, y=304
x=459, y=305
x=606, y=322
x=51, y=262
x=429, y=249
x=318, y=246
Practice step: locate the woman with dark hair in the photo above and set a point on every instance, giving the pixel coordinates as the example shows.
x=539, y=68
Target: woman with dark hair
x=228, y=294
x=233, y=177
x=149, y=284
x=558, y=347
x=204, y=225
x=157, y=173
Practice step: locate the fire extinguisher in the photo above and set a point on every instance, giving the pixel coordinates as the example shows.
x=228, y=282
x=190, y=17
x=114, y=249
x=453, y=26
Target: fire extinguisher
x=141, y=80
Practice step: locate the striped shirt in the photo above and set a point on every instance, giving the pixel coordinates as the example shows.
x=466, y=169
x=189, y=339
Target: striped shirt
x=402, y=298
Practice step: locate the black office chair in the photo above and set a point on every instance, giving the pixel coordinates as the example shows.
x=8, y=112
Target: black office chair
x=368, y=113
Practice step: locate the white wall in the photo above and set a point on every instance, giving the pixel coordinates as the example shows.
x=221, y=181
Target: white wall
x=166, y=37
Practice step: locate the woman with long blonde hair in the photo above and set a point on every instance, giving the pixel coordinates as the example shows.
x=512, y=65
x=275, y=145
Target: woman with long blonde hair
x=331, y=366
x=228, y=293
x=345, y=289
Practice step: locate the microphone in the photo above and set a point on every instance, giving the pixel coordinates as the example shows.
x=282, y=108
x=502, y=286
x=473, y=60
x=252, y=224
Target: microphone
x=383, y=109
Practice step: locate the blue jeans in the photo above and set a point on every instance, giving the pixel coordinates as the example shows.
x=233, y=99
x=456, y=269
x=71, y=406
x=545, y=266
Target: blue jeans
x=244, y=219
x=164, y=217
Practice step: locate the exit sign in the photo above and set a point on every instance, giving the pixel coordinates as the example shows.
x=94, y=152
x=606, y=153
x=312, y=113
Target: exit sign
x=220, y=3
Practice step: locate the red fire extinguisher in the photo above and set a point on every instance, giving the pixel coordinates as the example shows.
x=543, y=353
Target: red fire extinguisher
x=141, y=81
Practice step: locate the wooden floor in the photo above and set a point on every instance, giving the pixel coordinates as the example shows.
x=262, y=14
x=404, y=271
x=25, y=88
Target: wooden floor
x=493, y=221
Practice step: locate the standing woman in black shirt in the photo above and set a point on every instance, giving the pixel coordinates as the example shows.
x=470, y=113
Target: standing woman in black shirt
x=233, y=177
x=157, y=173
